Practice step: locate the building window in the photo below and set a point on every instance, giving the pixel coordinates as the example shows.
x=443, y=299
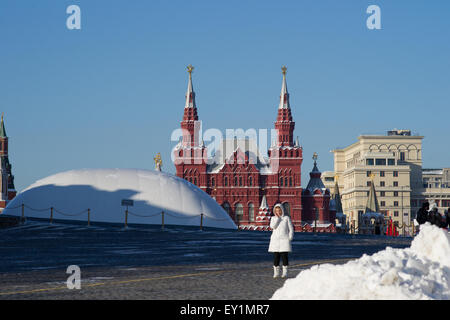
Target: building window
x=213, y=182
x=382, y=194
x=290, y=182
x=369, y=162
x=395, y=193
x=380, y=162
x=235, y=181
x=383, y=203
x=395, y=203
x=287, y=208
x=395, y=213
x=250, y=181
x=240, y=181
x=395, y=183
x=239, y=212
x=195, y=181
x=402, y=156
x=381, y=173
x=226, y=207
x=395, y=173
x=369, y=183
x=391, y=162
x=382, y=184
x=225, y=181
x=286, y=181
x=281, y=181
x=251, y=212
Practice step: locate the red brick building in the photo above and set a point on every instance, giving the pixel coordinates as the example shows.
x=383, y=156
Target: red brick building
x=245, y=183
x=7, y=189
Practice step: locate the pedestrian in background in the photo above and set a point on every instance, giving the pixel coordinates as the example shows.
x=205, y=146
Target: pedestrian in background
x=280, y=241
x=447, y=218
x=422, y=213
x=435, y=218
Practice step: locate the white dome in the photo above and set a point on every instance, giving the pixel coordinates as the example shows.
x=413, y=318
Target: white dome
x=102, y=191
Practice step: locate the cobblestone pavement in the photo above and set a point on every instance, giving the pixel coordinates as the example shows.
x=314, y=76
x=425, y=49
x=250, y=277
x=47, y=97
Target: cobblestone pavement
x=147, y=263
x=246, y=281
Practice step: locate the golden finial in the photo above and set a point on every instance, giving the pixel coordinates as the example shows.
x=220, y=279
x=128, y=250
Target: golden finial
x=158, y=161
x=283, y=70
x=372, y=175
x=190, y=68
x=336, y=177
x=315, y=156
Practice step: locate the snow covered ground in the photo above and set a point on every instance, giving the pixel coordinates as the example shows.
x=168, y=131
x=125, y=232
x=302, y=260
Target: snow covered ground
x=421, y=271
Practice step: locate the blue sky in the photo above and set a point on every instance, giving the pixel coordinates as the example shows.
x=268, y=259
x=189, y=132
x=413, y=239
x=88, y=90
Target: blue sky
x=110, y=94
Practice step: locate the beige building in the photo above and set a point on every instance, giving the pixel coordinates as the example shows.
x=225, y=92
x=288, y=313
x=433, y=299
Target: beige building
x=394, y=161
x=436, y=188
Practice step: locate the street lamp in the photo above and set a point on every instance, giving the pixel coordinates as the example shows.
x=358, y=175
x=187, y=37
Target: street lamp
x=316, y=216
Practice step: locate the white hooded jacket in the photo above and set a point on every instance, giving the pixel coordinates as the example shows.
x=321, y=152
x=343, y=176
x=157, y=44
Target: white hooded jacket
x=282, y=232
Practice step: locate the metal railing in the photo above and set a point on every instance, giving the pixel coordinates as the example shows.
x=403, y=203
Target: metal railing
x=127, y=213
x=404, y=229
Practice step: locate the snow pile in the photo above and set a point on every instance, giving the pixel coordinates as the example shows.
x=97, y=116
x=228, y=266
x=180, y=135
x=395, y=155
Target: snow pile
x=419, y=272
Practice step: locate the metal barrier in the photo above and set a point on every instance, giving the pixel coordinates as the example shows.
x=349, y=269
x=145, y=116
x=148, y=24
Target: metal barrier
x=127, y=213
x=370, y=228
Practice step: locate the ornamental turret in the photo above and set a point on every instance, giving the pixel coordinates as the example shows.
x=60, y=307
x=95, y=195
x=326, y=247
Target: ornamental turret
x=8, y=191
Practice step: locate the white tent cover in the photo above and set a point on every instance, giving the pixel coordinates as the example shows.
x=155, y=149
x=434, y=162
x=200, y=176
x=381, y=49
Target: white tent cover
x=102, y=191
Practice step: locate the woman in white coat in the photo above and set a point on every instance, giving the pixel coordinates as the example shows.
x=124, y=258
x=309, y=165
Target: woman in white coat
x=280, y=241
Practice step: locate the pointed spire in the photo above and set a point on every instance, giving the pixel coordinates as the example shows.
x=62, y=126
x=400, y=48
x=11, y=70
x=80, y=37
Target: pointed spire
x=264, y=203
x=284, y=96
x=315, y=181
x=337, y=195
x=372, y=202
x=190, y=94
x=2, y=129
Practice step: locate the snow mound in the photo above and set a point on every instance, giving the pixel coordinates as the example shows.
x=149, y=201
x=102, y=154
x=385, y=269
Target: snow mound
x=419, y=272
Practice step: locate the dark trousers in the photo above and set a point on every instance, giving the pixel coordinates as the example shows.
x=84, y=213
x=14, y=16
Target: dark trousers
x=283, y=256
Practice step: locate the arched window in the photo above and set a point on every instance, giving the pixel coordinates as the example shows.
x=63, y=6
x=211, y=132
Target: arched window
x=239, y=211
x=225, y=181
x=195, y=181
x=213, y=182
x=290, y=181
x=235, y=181
x=251, y=212
x=250, y=181
x=226, y=207
x=286, y=181
x=281, y=181
x=240, y=181
x=287, y=208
